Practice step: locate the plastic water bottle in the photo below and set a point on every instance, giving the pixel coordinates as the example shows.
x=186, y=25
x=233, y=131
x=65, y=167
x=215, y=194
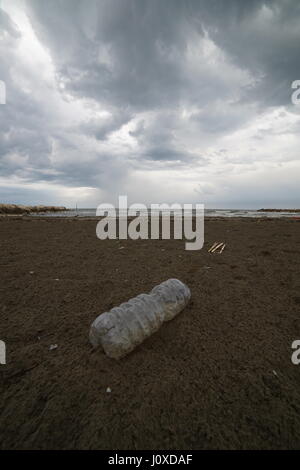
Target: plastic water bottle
x=123, y=328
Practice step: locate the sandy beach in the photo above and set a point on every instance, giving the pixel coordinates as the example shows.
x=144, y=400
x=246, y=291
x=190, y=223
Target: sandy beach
x=217, y=376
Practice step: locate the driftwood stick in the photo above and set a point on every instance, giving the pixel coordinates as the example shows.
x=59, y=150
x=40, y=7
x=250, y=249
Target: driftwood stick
x=224, y=244
x=216, y=247
x=212, y=246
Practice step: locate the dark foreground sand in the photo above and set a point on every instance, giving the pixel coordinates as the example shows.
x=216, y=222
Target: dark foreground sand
x=205, y=380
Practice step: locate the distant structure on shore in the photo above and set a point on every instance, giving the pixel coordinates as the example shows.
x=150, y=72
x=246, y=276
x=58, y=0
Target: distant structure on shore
x=278, y=210
x=20, y=209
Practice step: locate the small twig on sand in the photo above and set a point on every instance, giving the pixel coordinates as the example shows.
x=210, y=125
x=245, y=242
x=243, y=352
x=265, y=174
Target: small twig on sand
x=224, y=244
x=218, y=246
x=213, y=246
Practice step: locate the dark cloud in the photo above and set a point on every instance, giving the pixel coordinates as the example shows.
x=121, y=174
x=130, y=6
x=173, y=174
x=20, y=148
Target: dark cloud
x=133, y=53
x=8, y=26
x=132, y=83
x=101, y=128
x=263, y=37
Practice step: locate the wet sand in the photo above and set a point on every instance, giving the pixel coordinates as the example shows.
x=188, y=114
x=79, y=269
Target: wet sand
x=217, y=376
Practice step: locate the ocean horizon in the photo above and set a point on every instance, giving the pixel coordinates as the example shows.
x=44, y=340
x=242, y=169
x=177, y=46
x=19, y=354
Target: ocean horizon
x=253, y=213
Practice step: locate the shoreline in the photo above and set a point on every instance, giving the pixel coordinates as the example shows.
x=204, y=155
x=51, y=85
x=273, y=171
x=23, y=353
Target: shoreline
x=95, y=218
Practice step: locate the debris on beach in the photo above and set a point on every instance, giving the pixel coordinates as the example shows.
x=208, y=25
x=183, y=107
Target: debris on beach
x=31, y=272
x=108, y=390
x=123, y=328
x=53, y=346
x=217, y=247
x=222, y=248
x=213, y=246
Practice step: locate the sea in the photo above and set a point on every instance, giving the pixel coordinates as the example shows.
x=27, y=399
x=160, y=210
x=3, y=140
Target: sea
x=91, y=212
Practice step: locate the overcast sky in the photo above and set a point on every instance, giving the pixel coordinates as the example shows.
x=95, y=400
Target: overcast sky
x=165, y=101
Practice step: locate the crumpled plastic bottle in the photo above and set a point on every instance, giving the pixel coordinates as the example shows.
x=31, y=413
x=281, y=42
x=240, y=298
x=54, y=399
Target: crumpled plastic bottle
x=123, y=328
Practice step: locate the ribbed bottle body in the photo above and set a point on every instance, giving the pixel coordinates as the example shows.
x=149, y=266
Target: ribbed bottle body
x=123, y=328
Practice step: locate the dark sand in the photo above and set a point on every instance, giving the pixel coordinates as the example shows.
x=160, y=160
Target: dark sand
x=205, y=380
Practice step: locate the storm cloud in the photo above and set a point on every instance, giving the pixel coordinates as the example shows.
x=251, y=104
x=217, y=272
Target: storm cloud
x=167, y=101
